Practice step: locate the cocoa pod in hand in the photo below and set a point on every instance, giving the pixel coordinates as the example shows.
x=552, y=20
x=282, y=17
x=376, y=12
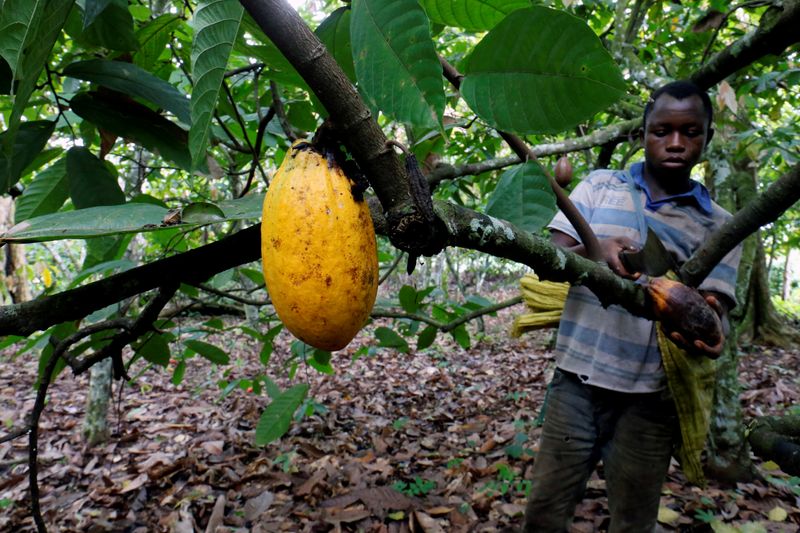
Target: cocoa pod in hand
x=563, y=171
x=683, y=309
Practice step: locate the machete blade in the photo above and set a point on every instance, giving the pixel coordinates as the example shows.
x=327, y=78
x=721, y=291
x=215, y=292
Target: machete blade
x=653, y=259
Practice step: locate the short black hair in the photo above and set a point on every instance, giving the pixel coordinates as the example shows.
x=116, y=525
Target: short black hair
x=680, y=90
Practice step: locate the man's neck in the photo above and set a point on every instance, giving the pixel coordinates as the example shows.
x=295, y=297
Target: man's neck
x=660, y=189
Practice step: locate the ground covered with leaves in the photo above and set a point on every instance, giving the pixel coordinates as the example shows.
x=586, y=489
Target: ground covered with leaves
x=441, y=440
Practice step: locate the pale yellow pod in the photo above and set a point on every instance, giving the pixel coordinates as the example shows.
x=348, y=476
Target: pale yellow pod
x=318, y=250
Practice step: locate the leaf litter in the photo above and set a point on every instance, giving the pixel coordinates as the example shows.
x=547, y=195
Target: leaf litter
x=440, y=440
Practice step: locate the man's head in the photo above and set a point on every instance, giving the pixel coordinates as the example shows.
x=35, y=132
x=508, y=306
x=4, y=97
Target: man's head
x=677, y=127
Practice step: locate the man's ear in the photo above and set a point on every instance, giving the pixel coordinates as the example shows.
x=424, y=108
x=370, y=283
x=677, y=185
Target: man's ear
x=709, y=136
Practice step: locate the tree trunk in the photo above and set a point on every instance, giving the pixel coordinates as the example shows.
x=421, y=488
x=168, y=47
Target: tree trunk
x=95, y=423
x=13, y=274
x=728, y=458
x=776, y=439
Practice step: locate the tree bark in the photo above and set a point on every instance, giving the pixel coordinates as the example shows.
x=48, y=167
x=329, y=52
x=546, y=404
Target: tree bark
x=95, y=421
x=13, y=273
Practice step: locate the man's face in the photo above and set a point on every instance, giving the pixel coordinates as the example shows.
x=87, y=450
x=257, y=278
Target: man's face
x=674, y=137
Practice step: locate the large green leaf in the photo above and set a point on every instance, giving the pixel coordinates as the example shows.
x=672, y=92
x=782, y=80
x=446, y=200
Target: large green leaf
x=91, y=183
x=131, y=120
x=472, y=15
x=209, y=351
x=154, y=350
x=92, y=9
x=89, y=222
x=18, y=19
x=20, y=150
x=524, y=197
x=540, y=70
x=395, y=61
x=277, y=417
x=334, y=32
x=46, y=193
x=118, y=219
x=133, y=81
x=153, y=39
x=111, y=28
x=216, y=23
x=36, y=51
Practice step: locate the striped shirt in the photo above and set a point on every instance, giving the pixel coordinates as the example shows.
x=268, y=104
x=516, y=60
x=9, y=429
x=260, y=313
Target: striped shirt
x=611, y=348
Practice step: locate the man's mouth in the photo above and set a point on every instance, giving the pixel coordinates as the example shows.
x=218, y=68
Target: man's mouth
x=673, y=162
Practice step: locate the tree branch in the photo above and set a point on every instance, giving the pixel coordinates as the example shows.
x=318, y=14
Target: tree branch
x=766, y=208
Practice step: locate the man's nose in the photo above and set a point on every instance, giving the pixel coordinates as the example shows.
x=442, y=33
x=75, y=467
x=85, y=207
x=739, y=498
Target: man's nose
x=675, y=141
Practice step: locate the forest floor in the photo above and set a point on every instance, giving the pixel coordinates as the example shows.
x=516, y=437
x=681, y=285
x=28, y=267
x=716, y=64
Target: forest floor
x=441, y=440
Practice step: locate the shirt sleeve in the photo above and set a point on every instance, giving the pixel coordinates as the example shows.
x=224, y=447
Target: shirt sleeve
x=582, y=197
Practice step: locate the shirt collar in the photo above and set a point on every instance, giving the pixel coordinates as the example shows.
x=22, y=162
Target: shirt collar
x=698, y=194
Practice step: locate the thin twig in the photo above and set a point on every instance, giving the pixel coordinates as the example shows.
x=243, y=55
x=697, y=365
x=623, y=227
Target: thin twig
x=15, y=434
x=233, y=297
x=277, y=104
x=391, y=267
x=262, y=127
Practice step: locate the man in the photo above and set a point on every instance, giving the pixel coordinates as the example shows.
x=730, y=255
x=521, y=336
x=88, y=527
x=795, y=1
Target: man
x=609, y=398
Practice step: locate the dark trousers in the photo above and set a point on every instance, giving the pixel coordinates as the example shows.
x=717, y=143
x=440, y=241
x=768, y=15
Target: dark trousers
x=633, y=434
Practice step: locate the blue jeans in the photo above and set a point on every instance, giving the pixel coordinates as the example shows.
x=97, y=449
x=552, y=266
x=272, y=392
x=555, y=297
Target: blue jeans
x=632, y=433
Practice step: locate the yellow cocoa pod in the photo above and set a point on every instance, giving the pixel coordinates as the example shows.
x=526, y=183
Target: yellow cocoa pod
x=318, y=250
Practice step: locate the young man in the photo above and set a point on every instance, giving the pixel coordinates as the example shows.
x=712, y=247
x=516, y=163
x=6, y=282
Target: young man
x=609, y=399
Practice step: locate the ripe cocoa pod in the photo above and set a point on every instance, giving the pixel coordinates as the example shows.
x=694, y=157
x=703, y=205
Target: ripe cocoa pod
x=563, y=171
x=318, y=250
x=683, y=309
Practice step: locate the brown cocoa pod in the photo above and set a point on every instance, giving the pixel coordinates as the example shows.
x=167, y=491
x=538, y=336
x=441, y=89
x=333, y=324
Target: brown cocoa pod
x=563, y=171
x=683, y=309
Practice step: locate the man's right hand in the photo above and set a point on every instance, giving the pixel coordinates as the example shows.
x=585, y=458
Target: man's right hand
x=611, y=249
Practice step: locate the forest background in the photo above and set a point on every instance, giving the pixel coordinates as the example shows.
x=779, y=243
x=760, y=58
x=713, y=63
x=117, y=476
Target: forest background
x=139, y=138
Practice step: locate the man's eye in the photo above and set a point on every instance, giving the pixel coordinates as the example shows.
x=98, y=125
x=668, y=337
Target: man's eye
x=694, y=133
x=659, y=133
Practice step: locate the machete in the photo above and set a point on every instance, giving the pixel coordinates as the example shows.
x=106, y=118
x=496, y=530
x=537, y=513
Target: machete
x=653, y=259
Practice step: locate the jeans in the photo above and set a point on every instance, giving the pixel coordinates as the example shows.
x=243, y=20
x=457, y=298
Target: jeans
x=632, y=433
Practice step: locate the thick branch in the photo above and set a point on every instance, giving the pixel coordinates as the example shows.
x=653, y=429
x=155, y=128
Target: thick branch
x=190, y=267
x=766, y=208
x=777, y=30
x=352, y=119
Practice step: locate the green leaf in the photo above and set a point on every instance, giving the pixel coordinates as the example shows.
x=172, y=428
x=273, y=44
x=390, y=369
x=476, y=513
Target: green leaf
x=408, y=299
x=278, y=67
x=104, y=250
x=389, y=338
x=321, y=361
x=523, y=196
x=334, y=32
x=395, y=61
x=426, y=337
x=153, y=39
x=201, y=213
x=277, y=417
x=55, y=335
x=177, y=375
x=90, y=181
x=115, y=219
x=216, y=23
x=20, y=150
x=92, y=9
x=133, y=81
x=209, y=351
x=155, y=350
x=131, y=120
x=18, y=19
x=461, y=336
x=88, y=222
x=472, y=15
x=112, y=28
x=540, y=71
x=46, y=194
x=37, y=47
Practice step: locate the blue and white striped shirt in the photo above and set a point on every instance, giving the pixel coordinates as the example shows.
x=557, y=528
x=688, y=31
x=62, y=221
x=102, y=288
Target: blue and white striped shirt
x=610, y=348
